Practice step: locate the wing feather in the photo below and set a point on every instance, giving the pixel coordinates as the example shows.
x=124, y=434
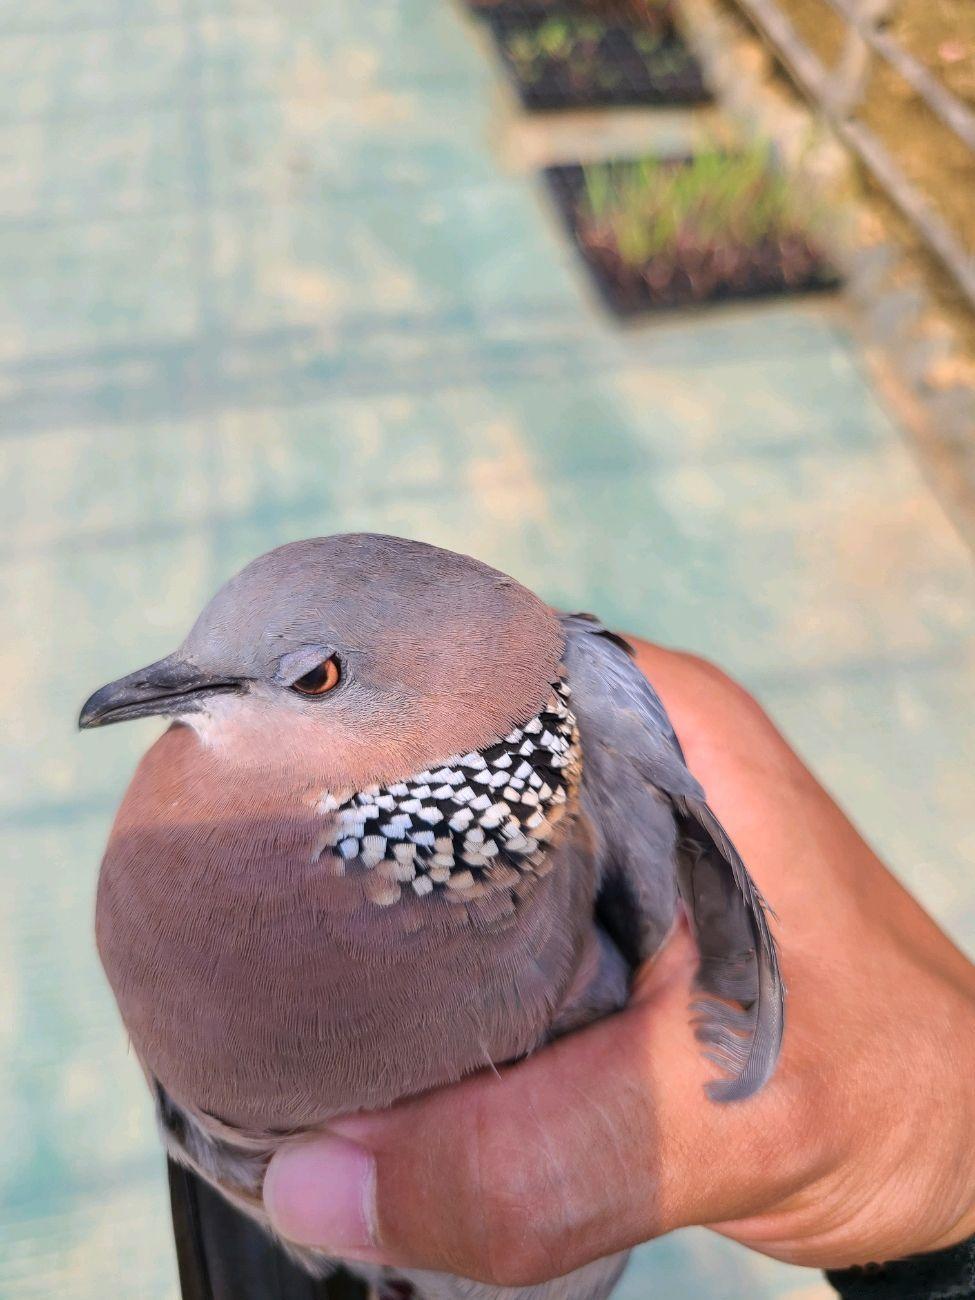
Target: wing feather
x=628, y=740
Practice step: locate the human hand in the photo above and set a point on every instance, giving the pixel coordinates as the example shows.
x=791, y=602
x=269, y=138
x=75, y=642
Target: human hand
x=858, y=1149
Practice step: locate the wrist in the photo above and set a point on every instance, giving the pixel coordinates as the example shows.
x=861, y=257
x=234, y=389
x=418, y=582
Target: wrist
x=957, y=1147
x=888, y=1146
x=925, y=1196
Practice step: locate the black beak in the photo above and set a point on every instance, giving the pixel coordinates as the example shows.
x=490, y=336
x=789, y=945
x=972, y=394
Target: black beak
x=170, y=687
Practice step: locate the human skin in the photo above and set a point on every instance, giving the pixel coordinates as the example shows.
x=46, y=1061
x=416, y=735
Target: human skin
x=858, y=1149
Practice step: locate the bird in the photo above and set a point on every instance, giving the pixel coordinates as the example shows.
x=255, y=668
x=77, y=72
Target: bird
x=408, y=821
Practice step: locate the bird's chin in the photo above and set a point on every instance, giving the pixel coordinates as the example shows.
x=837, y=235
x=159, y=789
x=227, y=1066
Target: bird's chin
x=218, y=723
x=198, y=721
x=247, y=731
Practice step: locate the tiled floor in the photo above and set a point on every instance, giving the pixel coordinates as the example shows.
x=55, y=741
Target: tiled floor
x=262, y=276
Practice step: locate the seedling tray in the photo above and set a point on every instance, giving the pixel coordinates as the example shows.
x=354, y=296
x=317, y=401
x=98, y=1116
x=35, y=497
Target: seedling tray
x=578, y=59
x=643, y=12
x=687, y=274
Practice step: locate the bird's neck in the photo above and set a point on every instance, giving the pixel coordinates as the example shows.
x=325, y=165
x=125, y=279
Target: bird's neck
x=471, y=825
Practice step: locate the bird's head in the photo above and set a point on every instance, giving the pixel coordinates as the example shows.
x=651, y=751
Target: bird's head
x=356, y=658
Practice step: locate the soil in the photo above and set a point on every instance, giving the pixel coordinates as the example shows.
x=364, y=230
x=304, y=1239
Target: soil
x=603, y=70
x=645, y=13
x=694, y=272
x=941, y=35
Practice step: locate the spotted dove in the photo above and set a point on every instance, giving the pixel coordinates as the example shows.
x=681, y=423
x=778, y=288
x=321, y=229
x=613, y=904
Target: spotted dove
x=408, y=821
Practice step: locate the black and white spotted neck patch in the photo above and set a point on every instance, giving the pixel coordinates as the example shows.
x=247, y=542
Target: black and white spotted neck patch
x=477, y=822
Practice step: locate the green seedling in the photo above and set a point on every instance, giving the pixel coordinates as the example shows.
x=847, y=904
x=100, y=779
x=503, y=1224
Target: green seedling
x=655, y=207
x=576, y=43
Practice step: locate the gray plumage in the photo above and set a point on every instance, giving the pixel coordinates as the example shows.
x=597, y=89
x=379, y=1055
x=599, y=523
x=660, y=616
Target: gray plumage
x=634, y=762
x=312, y=906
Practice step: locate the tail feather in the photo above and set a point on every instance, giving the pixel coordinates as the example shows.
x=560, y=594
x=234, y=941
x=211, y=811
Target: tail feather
x=224, y=1255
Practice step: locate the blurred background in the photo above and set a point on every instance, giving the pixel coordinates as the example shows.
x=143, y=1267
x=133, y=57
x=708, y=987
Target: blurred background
x=269, y=270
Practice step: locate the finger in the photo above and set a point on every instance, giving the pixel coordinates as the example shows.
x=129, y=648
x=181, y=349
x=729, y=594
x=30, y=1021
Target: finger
x=596, y=1143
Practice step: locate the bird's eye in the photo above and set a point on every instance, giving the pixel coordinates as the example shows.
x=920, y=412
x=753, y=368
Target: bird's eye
x=322, y=678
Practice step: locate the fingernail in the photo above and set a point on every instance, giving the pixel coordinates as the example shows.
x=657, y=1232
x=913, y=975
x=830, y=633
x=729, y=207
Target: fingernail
x=323, y=1193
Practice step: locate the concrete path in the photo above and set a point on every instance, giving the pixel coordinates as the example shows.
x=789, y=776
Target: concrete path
x=262, y=275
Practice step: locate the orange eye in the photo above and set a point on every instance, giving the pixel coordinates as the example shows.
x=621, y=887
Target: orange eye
x=322, y=678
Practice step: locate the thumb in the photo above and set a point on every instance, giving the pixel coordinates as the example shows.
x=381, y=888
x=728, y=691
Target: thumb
x=576, y=1153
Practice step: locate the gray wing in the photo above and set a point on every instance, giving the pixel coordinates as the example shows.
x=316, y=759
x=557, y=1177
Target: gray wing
x=652, y=820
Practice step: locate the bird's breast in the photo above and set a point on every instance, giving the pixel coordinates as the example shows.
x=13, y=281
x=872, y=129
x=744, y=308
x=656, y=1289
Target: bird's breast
x=263, y=986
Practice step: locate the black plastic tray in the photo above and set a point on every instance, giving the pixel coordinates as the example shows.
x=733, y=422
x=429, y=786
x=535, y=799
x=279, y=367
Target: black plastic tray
x=631, y=293
x=619, y=74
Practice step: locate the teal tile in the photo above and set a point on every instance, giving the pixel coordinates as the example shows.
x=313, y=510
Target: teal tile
x=93, y=1245
x=94, y=166
x=50, y=18
x=699, y=1263
x=294, y=150
x=761, y=563
x=780, y=329
x=71, y=1124
x=895, y=743
x=68, y=286
x=742, y=382
x=302, y=264
x=570, y=387
x=481, y=425
x=99, y=485
x=57, y=76
x=84, y=619
x=328, y=55
x=82, y=1164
